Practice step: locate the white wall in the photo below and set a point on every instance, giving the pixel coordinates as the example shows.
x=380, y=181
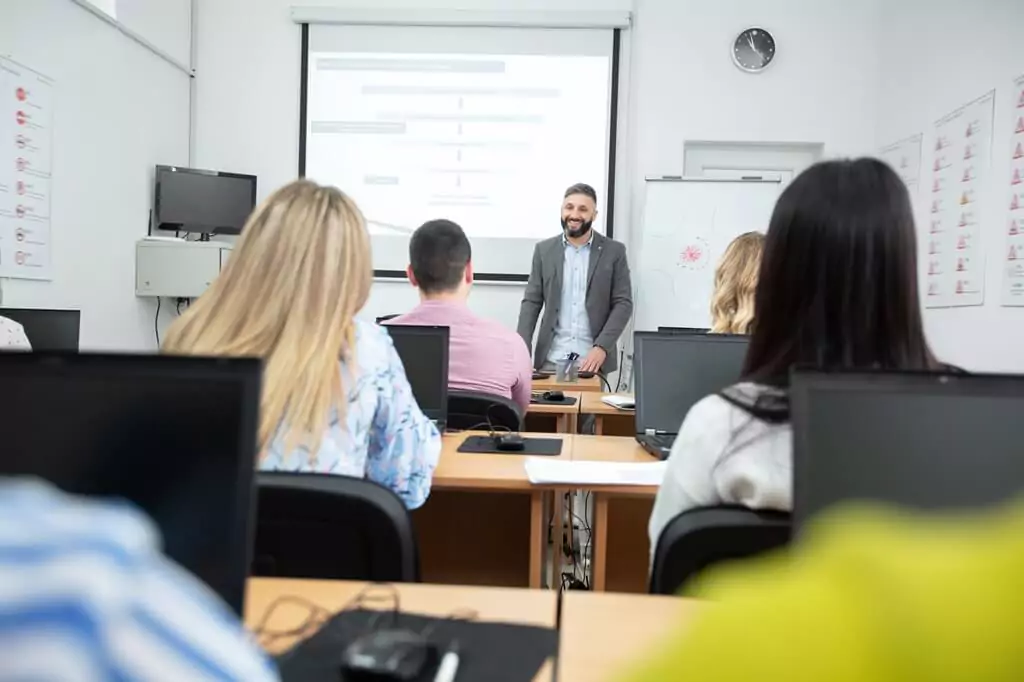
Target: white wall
x=248, y=110
x=683, y=86
x=167, y=24
x=118, y=110
x=937, y=55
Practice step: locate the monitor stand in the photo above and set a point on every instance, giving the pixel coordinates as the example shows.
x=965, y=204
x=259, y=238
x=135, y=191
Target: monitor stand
x=204, y=236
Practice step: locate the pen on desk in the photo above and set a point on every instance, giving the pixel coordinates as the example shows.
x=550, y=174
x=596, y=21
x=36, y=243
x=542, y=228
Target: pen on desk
x=449, y=667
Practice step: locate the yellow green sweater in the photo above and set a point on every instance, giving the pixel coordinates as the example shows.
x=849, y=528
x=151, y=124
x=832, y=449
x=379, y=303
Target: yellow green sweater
x=871, y=596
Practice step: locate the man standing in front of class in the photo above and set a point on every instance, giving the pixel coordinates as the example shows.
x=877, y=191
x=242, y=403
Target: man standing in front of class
x=581, y=281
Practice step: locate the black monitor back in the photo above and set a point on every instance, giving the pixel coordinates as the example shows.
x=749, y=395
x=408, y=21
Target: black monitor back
x=926, y=441
x=672, y=372
x=683, y=330
x=176, y=436
x=47, y=330
x=424, y=354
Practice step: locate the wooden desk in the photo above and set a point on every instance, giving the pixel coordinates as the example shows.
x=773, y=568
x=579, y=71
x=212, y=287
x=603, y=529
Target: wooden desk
x=624, y=420
x=565, y=413
x=620, y=544
x=602, y=634
x=525, y=607
x=549, y=384
x=484, y=523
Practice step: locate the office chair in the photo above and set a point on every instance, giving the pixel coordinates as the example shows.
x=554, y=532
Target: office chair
x=470, y=409
x=334, y=528
x=699, y=538
x=384, y=318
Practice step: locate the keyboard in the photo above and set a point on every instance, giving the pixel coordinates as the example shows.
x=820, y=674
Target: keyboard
x=659, y=444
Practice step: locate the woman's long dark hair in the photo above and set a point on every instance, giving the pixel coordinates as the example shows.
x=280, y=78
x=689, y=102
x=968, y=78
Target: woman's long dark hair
x=838, y=285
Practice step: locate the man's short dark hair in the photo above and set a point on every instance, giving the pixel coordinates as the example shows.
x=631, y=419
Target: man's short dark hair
x=438, y=253
x=584, y=189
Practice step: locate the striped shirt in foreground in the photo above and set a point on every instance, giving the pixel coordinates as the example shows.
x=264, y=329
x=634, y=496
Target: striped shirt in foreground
x=87, y=596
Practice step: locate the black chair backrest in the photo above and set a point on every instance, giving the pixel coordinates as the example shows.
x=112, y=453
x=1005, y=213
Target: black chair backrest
x=385, y=318
x=469, y=410
x=699, y=538
x=334, y=528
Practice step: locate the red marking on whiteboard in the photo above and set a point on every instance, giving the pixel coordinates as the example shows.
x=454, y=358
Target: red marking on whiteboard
x=691, y=254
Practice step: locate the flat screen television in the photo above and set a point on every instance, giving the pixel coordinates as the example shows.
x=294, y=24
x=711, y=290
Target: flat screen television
x=203, y=201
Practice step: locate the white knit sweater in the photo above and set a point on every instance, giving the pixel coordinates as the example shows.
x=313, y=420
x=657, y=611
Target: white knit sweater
x=724, y=455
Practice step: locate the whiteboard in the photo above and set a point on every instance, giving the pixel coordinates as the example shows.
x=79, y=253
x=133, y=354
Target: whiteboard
x=687, y=225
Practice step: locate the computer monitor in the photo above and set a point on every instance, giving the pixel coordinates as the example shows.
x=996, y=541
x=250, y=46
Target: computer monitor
x=683, y=330
x=929, y=441
x=672, y=372
x=47, y=330
x=205, y=201
x=424, y=354
x=175, y=436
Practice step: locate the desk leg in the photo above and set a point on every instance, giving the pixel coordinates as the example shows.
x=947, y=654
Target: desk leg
x=600, y=530
x=599, y=425
x=559, y=537
x=573, y=422
x=560, y=424
x=537, y=538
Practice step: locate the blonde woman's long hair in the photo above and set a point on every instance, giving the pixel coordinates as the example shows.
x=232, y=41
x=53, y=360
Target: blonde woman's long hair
x=289, y=293
x=732, y=304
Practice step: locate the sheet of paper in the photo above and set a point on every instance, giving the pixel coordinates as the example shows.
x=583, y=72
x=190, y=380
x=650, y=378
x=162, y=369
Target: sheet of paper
x=905, y=158
x=545, y=471
x=953, y=250
x=26, y=142
x=1013, y=256
x=620, y=402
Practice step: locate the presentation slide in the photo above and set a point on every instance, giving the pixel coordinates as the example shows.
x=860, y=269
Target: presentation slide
x=489, y=141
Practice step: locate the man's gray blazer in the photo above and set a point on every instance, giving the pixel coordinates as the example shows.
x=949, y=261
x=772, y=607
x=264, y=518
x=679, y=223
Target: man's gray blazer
x=609, y=296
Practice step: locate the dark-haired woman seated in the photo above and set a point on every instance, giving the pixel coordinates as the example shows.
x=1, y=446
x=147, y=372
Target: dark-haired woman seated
x=838, y=289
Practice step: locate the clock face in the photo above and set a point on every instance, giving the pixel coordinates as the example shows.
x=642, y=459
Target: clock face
x=753, y=50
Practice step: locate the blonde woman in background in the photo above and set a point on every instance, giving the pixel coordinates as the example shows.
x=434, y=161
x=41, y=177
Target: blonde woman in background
x=335, y=397
x=732, y=305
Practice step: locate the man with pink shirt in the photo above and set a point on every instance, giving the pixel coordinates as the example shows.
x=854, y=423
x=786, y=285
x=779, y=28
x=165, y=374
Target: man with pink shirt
x=483, y=355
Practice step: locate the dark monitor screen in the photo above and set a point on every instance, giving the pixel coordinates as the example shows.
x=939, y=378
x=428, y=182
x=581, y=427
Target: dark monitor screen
x=47, y=330
x=930, y=441
x=672, y=372
x=424, y=354
x=202, y=201
x=176, y=436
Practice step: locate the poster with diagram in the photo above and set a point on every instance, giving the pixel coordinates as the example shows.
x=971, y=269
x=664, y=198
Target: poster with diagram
x=26, y=141
x=1013, y=256
x=905, y=158
x=954, y=256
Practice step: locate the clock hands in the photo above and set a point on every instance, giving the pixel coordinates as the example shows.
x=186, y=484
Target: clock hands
x=750, y=39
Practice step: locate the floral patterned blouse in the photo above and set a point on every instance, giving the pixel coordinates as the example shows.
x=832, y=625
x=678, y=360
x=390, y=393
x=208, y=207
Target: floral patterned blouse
x=12, y=335
x=383, y=437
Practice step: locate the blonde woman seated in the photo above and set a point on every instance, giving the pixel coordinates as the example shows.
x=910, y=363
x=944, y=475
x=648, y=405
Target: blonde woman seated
x=335, y=396
x=732, y=305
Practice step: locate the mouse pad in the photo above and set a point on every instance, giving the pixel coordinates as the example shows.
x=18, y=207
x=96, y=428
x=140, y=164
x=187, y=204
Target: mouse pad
x=544, y=447
x=540, y=400
x=497, y=652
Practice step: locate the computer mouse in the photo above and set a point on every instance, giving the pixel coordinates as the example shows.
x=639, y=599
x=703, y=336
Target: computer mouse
x=509, y=441
x=587, y=375
x=386, y=655
x=554, y=396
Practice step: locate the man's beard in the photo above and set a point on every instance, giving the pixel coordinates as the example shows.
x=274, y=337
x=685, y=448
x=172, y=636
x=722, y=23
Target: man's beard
x=578, y=232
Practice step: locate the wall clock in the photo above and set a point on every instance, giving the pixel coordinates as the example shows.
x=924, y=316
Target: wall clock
x=753, y=50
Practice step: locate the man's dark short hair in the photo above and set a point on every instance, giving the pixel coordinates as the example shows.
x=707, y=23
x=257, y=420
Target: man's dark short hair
x=582, y=188
x=438, y=253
